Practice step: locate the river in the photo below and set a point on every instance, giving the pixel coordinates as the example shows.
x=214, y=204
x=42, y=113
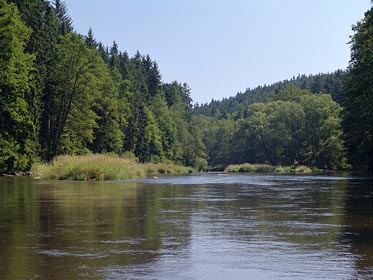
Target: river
x=204, y=226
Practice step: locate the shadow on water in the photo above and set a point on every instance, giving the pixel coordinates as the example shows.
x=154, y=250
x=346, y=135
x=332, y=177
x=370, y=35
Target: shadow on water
x=190, y=227
x=69, y=230
x=358, y=220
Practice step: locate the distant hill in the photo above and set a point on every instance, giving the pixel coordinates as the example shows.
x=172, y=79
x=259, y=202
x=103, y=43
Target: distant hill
x=332, y=83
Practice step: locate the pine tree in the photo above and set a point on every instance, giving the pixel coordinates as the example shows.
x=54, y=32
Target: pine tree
x=17, y=130
x=40, y=17
x=114, y=56
x=64, y=20
x=90, y=40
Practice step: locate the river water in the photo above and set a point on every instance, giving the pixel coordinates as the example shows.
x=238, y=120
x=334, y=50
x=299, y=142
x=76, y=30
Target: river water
x=192, y=227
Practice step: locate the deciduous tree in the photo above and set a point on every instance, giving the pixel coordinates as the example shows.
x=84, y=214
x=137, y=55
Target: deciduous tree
x=358, y=114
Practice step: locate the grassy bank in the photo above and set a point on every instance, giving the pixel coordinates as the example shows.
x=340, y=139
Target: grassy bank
x=102, y=167
x=265, y=168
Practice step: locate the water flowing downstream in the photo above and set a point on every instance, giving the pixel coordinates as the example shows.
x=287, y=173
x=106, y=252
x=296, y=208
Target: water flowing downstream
x=192, y=227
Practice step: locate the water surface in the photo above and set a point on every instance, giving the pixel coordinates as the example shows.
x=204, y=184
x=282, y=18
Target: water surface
x=191, y=227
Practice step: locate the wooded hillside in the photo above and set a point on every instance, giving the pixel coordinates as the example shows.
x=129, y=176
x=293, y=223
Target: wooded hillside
x=66, y=93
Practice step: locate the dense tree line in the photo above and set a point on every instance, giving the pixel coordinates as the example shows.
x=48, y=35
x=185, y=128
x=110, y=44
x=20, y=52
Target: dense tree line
x=65, y=93
x=318, y=120
x=234, y=107
x=17, y=84
x=358, y=114
x=295, y=126
x=296, y=121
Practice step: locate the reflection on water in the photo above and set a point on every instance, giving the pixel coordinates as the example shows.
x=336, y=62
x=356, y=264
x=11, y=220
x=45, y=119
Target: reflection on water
x=193, y=227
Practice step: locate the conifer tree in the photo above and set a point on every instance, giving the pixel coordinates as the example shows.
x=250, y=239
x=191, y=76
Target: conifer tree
x=90, y=40
x=114, y=56
x=64, y=20
x=17, y=130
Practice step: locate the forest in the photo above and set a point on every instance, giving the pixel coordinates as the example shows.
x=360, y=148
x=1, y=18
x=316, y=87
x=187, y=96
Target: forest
x=64, y=93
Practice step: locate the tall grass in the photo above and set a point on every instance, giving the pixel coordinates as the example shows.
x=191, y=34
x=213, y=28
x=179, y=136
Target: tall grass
x=265, y=168
x=102, y=167
x=250, y=168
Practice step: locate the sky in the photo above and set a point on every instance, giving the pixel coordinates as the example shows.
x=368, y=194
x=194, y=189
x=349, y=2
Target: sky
x=221, y=47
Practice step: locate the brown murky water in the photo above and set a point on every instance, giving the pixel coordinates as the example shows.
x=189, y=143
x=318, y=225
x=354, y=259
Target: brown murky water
x=193, y=227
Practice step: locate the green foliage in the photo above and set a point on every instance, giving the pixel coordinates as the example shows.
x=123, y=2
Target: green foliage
x=17, y=130
x=217, y=137
x=62, y=93
x=110, y=110
x=304, y=128
x=75, y=80
x=293, y=126
x=358, y=114
x=324, y=145
x=166, y=126
x=234, y=107
x=83, y=97
x=63, y=19
x=276, y=128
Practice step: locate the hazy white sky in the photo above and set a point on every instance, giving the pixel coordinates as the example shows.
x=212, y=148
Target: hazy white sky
x=221, y=47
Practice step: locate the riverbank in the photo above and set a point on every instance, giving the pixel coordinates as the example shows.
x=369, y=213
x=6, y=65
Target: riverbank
x=102, y=167
x=266, y=168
